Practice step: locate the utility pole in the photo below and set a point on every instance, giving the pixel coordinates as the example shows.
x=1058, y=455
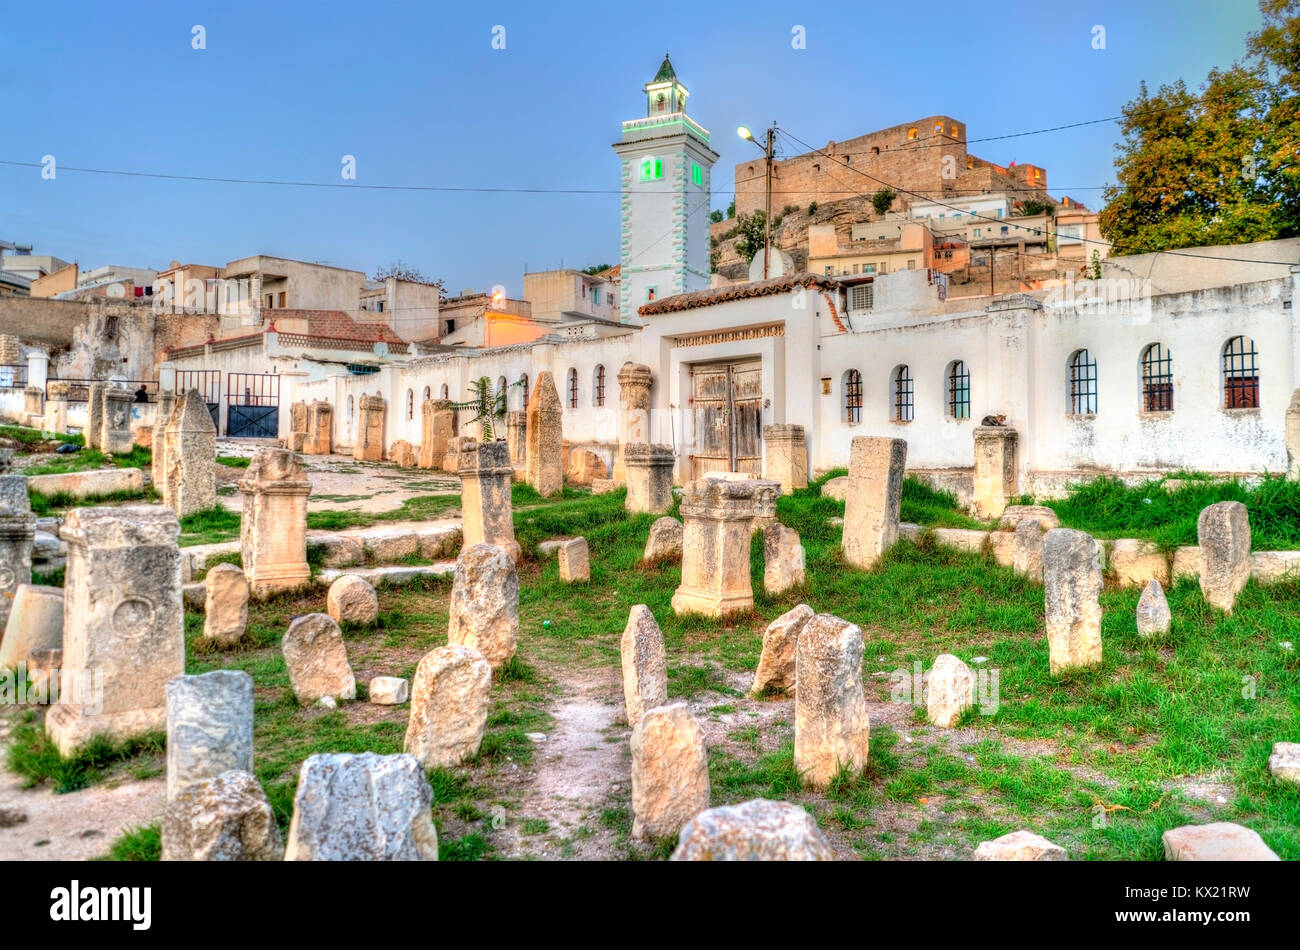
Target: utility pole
x=767, y=223
x=993, y=255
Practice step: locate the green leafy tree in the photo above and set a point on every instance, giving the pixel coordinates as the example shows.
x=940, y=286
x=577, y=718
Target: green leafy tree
x=731, y=209
x=751, y=231
x=812, y=208
x=715, y=215
x=488, y=405
x=1033, y=206
x=883, y=200
x=596, y=268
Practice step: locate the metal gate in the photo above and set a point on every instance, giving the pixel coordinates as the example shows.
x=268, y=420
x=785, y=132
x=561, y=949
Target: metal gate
x=727, y=404
x=208, y=383
x=252, y=405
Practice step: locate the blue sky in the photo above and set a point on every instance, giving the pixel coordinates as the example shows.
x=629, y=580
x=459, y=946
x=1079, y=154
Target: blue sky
x=419, y=96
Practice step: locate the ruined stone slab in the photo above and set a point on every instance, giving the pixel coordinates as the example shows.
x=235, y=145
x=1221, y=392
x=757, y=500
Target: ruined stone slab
x=337, y=550
x=634, y=383
x=783, y=559
x=449, y=706
x=670, y=771
x=719, y=518
x=440, y=542
x=17, y=540
x=1012, y=515
x=369, y=445
x=575, y=561
x=90, y=484
x=35, y=623
x=1027, y=553
x=273, y=528
x=606, y=486
x=756, y=830
x=1136, y=562
x=831, y=728
x=1284, y=763
x=644, y=663
x=223, y=818
x=387, y=547
x=874, y=495
x=836, y=488
x=1002, y=545
x=319, y=439
x=388, y=690
x=209, y=727
x=1293, y=435
x=1072, y=583
x=1187, y=563
x=317, y=660
x=352, y=599
x=437, y=429
x=1223, y=535
x=1217, y=841
x=484, y=612
x=225, y=609
x=402, y=454
x=786, y=462
x=364, y=807
x=486, y=513
x=949, y=691
x=1153, y=616
x=1020, y=846
x=776, y=664
x=649, y=478
x=585, y=466
x=970, y=540
x=190, y=480
x=115, y=435
x=543, y=465
x=665, y=541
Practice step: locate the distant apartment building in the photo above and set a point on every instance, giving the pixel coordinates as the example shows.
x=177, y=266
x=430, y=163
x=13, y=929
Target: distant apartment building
x=476, y=319
x=562, y=296
x=876, y=247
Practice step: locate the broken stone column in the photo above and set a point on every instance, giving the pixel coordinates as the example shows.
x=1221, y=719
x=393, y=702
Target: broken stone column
x=634, y=382
x=756, y=830
x=1153, y=616
x=484, y=610
x=33, y=402
x=317, y=660
x=949, y=692
x=517, y=440
x=35, y=623
x=402, y=454
x=449, y=706
x=297, y=426
x=664, y=542
x=17, y=534
x=574, y=561
x=543, y=454
x=364, y=807
x=437, y=429
x=190, y=479
x=124, y=627
x=644, y=663
x=787, y=456
x=997, y=477
x=1223, y=533
x=1027, y=550
x=115, y=433
x=95, y=414
x=56, y=407
x=225, y=609
x=273, y=529
x=1072, y=582
x=776, y=665
x=670, y=772
x=320, y=429
x=223, y=818
x=648, y=470
x=485, y=474
x=209, y=727
x=831, y=728
x=370, y=429
x=873, y=498
x=783, y=559
x=1292, y=435
x=158, y=445
x=352, y=599
x=1021, y=845
x=715, y=546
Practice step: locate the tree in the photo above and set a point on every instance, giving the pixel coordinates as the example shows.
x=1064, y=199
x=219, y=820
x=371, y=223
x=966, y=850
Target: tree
x=883, y=200
x=403, y=271
x=731, y=209
x=752, y=230
x=715, y=216
x=595, y=269
x=1033, y=206
x=488, y=406
x=1218, y=167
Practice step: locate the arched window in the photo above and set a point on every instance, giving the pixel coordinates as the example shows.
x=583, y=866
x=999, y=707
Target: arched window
x=902, y=394
x=503, y=388
x=958, y=385
x=852, y=385
x=410, y=404
x=599, y=385
x=445, y=392
x=523, y=390
x=1240, y=374
x=573, y=388
x=911, y=134
x=426, y=394
x=349, y=409
x=1157, y=379
x=1083, y=383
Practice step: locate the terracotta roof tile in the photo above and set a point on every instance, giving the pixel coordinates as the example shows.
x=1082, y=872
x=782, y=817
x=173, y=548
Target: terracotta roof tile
x=336, y=325
x=757, y=288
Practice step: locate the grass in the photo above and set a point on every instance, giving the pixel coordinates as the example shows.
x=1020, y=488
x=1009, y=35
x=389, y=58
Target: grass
x=209, y=527
x=138, y=844
x=33, y=756
x=89, y=459
x=29, y=437
x=234, y=461
x=57, y=503
x=416, y=508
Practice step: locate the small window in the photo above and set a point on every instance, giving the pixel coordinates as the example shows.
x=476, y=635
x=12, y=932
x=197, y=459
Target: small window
x=445, y=392
x=911, y=134
x=651, y=291
x=1157, y=379
x=862, y=297
x=902, y=394
x=958, y=390
x=697, y=173
x=349, y=409
x=283, y=296
x=573, y=389
x=1083, y=384
x=598, y=388
x=1240, y=374
x=410, y=404
x=523, y=389
x=938, y=127
x=652, y=169
x=427, y=393
x=503, y=388
x=852, y=396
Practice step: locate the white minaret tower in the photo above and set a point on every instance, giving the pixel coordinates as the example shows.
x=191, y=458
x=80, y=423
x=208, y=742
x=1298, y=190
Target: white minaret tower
x=666, y=160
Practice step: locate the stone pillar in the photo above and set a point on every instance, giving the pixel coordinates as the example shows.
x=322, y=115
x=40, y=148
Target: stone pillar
x=124, y=629
x=166, y=406
x=649, y=473
x=17, y=531
x=634, y=382
x=209, y=727
x=34, y=402
x=95, y=414
x=832, y=730
x=543, y=454
x=787, y=456
x=189, y=479
x=38, y=369
x=517, y=439
x=56, y=407
x=437, y=429
x=1293, y=435
x=297, y=426
x=115, y=424
x=997, y=478
x=370, y=429
x=1223, y=537
x=319, y=439
x=273, y=533
x=719, y=517
x=871, y=503
x=485, y=475
x=1072, y=583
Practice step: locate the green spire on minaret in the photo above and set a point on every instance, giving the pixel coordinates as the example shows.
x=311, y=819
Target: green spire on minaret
x=666, y=72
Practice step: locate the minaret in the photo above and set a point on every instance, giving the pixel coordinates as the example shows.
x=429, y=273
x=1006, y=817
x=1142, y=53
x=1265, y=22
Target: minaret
x=666, y=160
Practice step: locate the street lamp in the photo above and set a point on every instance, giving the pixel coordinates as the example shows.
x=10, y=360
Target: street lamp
x=748, y=136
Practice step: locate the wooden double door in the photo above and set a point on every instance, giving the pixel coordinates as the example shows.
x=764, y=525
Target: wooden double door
x=727, y=405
